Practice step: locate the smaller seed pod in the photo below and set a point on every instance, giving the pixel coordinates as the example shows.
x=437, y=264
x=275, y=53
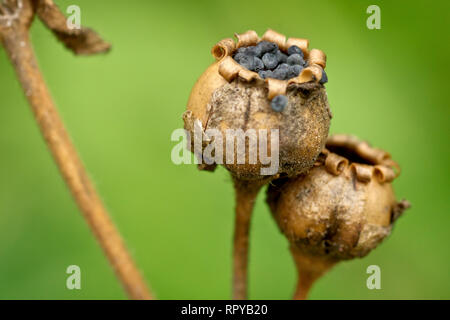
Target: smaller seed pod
x=341, y=209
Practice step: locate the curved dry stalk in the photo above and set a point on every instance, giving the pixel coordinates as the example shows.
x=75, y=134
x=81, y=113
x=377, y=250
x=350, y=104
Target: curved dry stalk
x=15, y=39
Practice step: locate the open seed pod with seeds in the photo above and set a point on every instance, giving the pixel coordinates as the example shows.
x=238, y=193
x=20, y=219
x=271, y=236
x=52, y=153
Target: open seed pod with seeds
x=341, y=209
x=268, y=91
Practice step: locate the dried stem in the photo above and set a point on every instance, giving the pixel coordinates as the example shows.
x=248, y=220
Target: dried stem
x=15, y=39
x=245, y=193
x=304, y=284
x=309, y=270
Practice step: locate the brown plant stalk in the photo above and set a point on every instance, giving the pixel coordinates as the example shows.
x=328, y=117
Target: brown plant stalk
x=245, y=193
x=15, y=20
x=309, y=270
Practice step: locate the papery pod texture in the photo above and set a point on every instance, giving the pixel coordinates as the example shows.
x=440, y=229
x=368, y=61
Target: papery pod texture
x=228, y=96
x=344, y=206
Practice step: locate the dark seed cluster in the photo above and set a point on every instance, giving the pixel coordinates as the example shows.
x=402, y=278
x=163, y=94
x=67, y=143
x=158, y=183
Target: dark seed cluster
x=270, y=62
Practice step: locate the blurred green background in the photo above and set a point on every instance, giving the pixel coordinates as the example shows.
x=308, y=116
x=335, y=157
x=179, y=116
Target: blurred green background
x=388, y=86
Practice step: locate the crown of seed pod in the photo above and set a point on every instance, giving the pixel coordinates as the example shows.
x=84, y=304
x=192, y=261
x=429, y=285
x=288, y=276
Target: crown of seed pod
x=341, y=209
x=263, y=83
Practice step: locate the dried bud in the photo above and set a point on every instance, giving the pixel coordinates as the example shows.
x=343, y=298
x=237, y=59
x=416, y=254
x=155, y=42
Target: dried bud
x=341, y=209
x=229, y=95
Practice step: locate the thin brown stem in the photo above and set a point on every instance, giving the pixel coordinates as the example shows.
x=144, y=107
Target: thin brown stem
x=245, y=193
x=304, y=284
x=15, y=39
x=309, y=270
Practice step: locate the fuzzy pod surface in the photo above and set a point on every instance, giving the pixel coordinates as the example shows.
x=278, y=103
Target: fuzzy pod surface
x=229, y=96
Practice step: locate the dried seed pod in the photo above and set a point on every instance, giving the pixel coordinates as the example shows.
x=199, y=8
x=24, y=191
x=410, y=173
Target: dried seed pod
x=280, y=138
x=341, y=209
x=229, y=96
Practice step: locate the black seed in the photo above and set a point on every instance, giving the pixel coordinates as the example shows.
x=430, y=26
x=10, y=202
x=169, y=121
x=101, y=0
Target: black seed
x=275, y=49
x=324, y=78
x=238, y=56
x=279, y=103
x=295, y=50
x=269, y=74
x=262, y=74
x=266, y=46
x=294, y=71
x=241, y=50
x=258, y=64
x=247, y=62
x=295, y=59
x=254, y=51
x=270, y=60
x=282, y=58
x=280, y=74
